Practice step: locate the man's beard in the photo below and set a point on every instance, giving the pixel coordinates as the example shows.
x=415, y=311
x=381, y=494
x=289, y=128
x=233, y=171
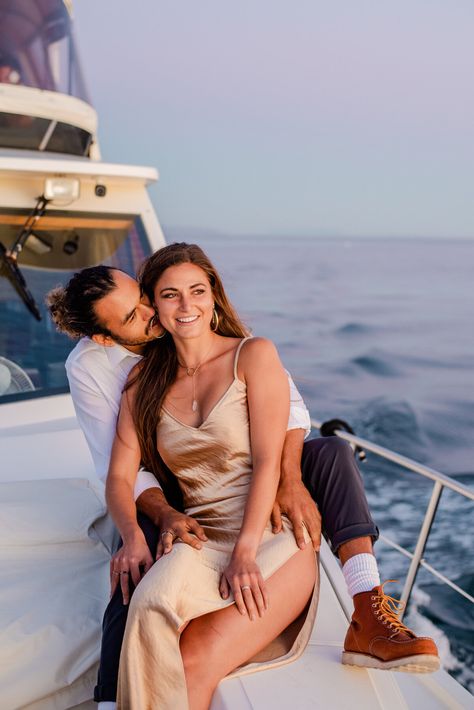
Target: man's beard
x=125, y=342
x=137, y=341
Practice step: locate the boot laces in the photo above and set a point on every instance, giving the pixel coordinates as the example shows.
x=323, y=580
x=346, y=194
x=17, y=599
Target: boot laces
x=388, y=608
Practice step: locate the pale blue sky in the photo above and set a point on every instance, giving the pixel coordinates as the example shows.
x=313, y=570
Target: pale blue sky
x=294, y=117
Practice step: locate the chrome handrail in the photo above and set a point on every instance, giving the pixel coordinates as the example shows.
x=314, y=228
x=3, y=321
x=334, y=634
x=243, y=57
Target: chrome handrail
x=441, y=481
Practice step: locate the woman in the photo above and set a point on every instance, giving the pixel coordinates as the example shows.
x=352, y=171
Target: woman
x=213, y=405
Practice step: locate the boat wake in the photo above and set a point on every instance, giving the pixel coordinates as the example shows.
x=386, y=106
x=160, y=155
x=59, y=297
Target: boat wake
x=438, y=611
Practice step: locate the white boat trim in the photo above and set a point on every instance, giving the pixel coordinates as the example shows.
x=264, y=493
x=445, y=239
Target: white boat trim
x=47, y=165
x=52, y=105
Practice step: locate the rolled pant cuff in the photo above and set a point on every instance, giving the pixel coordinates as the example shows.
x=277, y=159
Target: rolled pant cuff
x=105, y=693
x=352, y=532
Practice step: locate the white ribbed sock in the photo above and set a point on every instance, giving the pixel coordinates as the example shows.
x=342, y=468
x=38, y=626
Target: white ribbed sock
x=361, y=573
x=107, y=705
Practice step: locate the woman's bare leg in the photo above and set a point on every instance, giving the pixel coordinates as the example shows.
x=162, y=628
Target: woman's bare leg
x=215, y=644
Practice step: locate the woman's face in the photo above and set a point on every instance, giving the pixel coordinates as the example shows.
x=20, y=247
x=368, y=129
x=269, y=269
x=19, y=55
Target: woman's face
x=184, y=300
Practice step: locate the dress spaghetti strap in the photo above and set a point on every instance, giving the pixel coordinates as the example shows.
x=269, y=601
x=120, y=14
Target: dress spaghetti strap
x=237, y=353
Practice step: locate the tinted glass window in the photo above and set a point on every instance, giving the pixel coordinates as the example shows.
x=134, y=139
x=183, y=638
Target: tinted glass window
x=24, y=132
x=29, y=133
x=69, y=139
x=32, y=353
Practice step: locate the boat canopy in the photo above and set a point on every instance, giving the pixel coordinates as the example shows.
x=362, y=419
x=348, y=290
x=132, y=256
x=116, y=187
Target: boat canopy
x=37, y=47
x=44, y=100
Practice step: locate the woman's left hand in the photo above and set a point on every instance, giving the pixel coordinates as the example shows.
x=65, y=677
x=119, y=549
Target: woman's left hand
x=243, y=578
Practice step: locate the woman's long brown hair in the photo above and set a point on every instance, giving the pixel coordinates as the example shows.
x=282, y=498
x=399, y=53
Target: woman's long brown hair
x=159, y=366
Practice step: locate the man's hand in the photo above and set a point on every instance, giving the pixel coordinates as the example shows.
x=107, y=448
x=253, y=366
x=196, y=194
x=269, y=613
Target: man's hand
x=132, y=560
x=294, y=501
x=172, y=524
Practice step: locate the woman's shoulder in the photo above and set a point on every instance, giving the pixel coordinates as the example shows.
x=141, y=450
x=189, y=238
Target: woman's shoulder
x=258, y=343
x=257, y=349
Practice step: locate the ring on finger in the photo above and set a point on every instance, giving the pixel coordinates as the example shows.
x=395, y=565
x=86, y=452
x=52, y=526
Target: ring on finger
x=246, y=586
x=167, y=532
x=117, y=573
x=125, y=571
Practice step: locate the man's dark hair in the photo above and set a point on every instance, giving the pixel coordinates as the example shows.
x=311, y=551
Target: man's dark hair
x=72, y=306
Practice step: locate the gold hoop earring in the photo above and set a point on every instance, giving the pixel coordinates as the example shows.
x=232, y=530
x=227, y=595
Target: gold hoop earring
x=214, y=320
x=155, y=319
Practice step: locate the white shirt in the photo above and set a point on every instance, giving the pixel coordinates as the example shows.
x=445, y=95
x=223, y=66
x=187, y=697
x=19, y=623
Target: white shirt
x=97, y=376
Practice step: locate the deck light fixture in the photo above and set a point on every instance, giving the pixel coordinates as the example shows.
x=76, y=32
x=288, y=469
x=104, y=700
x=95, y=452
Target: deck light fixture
x=61, y=189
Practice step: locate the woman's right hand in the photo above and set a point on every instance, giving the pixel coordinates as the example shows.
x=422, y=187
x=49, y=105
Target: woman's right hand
x=242, y=576
x=133, y=560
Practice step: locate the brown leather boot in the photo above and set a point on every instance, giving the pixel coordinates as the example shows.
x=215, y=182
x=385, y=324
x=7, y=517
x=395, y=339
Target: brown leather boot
x=377, y=638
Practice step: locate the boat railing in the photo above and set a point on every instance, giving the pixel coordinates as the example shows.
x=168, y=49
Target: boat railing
x=440, y=481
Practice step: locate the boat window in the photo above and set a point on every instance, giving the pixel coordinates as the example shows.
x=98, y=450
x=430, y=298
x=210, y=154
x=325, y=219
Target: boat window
x=19, y=131
x=37, y=47
x=68, y=139
x=33, y=353
x=30, y=133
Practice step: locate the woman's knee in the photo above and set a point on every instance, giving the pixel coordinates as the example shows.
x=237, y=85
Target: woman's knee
x=292, y=584
x=197, y=656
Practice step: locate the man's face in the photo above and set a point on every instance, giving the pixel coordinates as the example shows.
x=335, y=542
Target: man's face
x=126, y=314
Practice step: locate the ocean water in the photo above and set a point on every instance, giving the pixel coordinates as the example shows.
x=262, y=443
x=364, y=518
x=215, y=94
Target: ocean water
x=380, y=333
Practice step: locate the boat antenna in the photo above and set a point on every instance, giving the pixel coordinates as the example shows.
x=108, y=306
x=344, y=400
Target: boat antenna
x=9, y=257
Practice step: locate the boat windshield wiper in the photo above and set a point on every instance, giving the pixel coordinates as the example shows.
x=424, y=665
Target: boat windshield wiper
x=9, y=258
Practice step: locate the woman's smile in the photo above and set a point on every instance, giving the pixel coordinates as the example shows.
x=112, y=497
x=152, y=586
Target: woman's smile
x=187, y=320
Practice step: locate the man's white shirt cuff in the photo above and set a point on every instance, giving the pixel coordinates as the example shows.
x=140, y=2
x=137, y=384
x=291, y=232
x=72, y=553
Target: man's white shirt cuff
x=299, y=419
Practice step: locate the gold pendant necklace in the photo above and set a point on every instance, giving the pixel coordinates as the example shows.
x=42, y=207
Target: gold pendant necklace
x=191, y=372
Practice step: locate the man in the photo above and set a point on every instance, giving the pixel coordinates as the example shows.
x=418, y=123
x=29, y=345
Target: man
x=105, y=308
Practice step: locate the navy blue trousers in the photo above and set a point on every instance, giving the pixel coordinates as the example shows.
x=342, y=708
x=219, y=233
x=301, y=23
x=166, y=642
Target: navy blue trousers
x=335, y=484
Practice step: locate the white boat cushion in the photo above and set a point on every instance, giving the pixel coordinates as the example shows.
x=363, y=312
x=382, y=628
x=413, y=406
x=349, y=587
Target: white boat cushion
x=48, y=511
x=54, y=561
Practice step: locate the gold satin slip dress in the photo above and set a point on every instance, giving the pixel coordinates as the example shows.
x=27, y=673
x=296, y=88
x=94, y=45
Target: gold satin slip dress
x=213, y=465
